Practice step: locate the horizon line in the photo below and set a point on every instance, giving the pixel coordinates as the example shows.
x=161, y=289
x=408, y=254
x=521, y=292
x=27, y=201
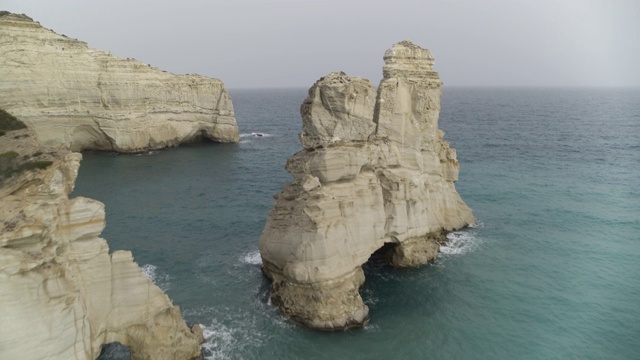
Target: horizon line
x=463, y=86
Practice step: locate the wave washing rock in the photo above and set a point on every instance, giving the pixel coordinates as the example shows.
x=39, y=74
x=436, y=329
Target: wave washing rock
x=374, y=171
x=79, y=98
x=62, y=295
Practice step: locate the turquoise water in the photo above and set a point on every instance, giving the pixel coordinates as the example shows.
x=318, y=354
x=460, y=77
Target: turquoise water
x=550, y=272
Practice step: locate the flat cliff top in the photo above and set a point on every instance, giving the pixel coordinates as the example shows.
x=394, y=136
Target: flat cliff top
x=79, y=98
x=23, y=27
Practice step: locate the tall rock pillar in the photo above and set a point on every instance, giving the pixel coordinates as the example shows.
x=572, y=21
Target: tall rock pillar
x=372, y=172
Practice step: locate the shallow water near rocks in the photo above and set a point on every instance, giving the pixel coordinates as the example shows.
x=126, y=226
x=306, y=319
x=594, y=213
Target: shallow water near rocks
x=550, y=272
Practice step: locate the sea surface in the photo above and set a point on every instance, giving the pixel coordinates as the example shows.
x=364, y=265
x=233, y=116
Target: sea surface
x=552, y=271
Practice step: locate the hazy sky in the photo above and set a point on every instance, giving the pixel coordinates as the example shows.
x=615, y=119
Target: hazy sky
x=287, y=43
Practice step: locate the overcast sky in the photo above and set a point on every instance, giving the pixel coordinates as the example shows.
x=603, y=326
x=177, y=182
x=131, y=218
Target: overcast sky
x=287, y=43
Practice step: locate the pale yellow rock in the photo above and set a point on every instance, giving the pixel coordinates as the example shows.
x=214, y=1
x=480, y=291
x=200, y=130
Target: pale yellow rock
x=372, y=173
x=79, y=98
x=62, y=295
x=338, y=107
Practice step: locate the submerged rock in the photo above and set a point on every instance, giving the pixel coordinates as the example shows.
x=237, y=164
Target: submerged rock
x=62, y=295
x=79, y=98
x=375, y=170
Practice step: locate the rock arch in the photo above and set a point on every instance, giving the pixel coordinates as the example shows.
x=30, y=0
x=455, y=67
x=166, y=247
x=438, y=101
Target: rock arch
x=374, y=170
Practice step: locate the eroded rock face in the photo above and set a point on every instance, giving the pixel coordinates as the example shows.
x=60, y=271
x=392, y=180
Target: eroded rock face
x=79, y=98
x=338, y=107
x=62, y=295
x=375, y=170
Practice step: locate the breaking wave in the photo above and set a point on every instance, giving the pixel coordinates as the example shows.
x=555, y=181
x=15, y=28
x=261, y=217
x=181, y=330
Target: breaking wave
x=460, y=242
x=219, y=341
x=255, y=134
x=158, y=277
x=252, y=258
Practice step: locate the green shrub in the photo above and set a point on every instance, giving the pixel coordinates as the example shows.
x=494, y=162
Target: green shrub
x=10, y=122
x=9, y=155
x=34, y=165
x=10, y=165
x=7, y=161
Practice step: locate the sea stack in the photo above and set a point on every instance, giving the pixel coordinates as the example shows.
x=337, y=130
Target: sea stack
x=79, y=98
x=375, y=173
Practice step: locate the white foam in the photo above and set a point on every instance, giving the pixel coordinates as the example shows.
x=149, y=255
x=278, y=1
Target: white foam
x=151, y=272
x=368, y=327
x=248, y=137
x=252, y=258
x=219, y=341
x=152, y=152
x=368, y=296
x=478, y=225
x=255, y=134
x=231, y=332
x=460, y=242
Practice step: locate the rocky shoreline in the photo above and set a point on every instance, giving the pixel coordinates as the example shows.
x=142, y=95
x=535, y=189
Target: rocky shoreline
x=58, y=282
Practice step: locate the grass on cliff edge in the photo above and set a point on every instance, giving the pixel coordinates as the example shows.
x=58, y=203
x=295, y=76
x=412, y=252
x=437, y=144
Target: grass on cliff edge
x=10, y=161
x=10, y=164
x=9, y=122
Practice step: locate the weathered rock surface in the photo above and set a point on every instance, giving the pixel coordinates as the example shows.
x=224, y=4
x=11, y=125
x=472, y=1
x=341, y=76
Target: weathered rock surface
x=375, y=170
x=79, y=98
x=62, y=295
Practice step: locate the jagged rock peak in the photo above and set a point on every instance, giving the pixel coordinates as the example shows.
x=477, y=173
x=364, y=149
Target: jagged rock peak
x=407, y=52
x=80, y=98
x=339, y=108
x=409, y=58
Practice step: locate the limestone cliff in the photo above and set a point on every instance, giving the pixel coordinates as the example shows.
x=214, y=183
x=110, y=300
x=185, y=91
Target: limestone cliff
x=79, y=98
x=62, y=295
x=375, y=170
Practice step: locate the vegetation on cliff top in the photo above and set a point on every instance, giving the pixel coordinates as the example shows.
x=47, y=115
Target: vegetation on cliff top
x=6, y=13
x=10, y=161
x=9, y=122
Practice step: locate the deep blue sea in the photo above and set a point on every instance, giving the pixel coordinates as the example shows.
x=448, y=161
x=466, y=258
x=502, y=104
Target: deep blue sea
x=552, y=271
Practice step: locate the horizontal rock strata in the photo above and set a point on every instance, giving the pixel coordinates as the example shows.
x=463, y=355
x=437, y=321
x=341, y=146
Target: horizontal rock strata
x=79, y=98
x=375, y=170
x=62, y=295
